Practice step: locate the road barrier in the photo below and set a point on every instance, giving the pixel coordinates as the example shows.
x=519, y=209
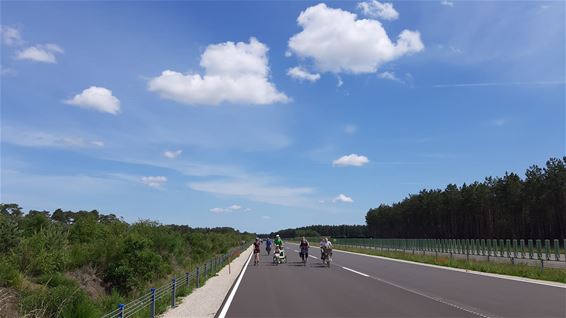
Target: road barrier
x=512, y=249
x=177, y=287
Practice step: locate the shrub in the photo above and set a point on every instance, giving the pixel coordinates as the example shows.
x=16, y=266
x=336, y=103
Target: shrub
x=44, y=252
x=10, y=276
x=135, y=266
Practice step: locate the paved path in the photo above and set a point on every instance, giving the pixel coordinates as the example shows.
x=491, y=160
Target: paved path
x=207, y=300
x=361, y=286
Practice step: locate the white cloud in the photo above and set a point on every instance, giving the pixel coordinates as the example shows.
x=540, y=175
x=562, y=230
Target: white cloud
x=351, y=160
x=11, y=36
x=42, y=139
x=390, y=76
x=342, y=198
x=232, y=208
x=44, y=53
x=256, y=190
x=6, y=71
x=447, y=3
x=97, y=98
x=234, y=73
x=350, y=129
x=377, y=9
x=338, y=42
x=500, y=122
x=154, y=181
x=266, y=217
x=172, y=154
x=302, y=74
x=339, y=81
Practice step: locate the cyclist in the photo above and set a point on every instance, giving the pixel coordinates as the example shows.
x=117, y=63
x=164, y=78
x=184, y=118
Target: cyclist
x=326, y=248
x=304, y=245
x=268, y=246
x=278, y=241
x=321, y=244
x=257, y=244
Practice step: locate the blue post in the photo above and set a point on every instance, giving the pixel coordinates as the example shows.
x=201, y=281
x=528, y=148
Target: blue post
x=152, y=305
x=121, y=310
x=198, y=277
x=205, y=271
x=173, y=292
x=188, y=279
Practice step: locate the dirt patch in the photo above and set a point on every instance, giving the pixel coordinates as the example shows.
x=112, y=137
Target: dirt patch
x=8, y=303
x=88, y=281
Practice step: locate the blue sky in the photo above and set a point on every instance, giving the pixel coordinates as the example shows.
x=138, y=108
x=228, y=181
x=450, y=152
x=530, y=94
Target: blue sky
x=267, y=115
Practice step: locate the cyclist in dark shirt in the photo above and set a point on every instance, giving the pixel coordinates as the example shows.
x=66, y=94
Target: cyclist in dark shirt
x=257, y=244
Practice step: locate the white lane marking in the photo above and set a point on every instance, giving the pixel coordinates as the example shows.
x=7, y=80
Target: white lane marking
x=231, y=297
x=519, y=279
x=313, y=257
x=354, y=271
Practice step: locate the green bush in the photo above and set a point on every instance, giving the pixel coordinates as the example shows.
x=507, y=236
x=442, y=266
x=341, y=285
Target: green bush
x=10, y=276
x=10, y=233
x=60, y=301
x=44, y=252
x=136, y=265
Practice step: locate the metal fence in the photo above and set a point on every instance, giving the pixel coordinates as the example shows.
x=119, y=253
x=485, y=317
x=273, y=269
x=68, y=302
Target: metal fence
x=542, y=250
x=177, y=287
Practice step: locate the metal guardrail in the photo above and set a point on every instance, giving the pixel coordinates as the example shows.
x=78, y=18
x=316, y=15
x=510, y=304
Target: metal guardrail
x=513, y=249
x=196, y=277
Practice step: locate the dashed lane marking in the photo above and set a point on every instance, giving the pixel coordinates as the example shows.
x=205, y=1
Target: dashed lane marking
x=354, y=271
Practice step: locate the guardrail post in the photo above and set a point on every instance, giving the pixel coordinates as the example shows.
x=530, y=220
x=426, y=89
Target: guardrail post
x=152, y=304
x=508, y=244
x=547, y=249
x=530, y=249
x=173, y=291
x=515, y=252
x=556, y=250
x=188, y=280
x=198, y=277
x=539, y=252
x=205, y=271
x=522, y=242
x=121, y=308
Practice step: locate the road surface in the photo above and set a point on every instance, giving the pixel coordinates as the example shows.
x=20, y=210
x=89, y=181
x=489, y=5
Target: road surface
x=362, y=286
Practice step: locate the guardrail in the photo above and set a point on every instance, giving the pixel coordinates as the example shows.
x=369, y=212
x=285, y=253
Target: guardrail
x=512, y=249
x=146, y=304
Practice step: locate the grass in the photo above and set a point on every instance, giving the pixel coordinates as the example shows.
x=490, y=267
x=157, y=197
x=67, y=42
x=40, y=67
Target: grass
x=520, y=270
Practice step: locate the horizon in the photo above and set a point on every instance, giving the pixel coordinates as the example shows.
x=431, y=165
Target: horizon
x=182, y=113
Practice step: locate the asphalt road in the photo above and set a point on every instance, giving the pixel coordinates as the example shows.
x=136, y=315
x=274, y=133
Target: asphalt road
x=361, y=286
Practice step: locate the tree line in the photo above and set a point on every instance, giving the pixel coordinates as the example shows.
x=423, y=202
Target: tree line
x=508, y=207
x=42, y=252
x=334, y=231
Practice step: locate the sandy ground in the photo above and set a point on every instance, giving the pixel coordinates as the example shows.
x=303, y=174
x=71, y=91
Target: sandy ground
x=206, y=301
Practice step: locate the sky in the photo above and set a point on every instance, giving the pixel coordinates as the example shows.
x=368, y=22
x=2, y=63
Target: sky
x=264, y=115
